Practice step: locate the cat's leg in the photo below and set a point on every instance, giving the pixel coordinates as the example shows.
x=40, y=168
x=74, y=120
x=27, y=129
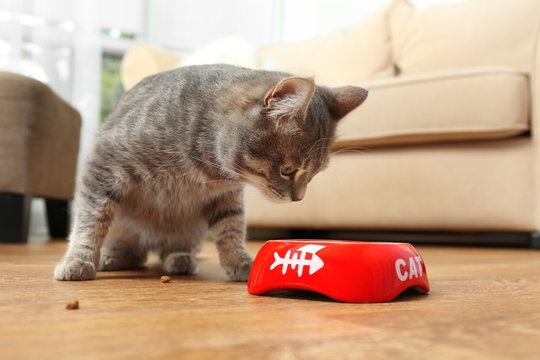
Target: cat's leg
x=227, y=226
x=122, y=249
x=82, y=257
x=179, y=250
x=96, y=202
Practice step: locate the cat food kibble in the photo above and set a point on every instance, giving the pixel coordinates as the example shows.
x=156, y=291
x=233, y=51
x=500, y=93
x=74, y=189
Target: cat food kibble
x=165, y=279
x=72, y=305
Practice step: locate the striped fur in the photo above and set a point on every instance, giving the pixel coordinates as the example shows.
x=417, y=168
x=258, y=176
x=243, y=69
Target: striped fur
x=168, y=167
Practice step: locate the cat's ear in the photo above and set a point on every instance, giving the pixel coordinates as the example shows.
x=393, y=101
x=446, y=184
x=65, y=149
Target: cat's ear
x=346, y=99
x=290, y=97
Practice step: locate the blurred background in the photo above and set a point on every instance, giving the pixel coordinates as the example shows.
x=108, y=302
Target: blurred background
x=76, y=46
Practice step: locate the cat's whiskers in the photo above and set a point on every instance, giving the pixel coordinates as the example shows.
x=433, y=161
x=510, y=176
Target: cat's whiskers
x=223, y=181
x=318, y=151
x=352, y=149
x=312, y=149
x=236, y=170
x=254, y=179
x=223, y=169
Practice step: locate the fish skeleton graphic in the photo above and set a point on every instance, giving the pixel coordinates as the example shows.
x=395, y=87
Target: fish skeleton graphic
x=315, y=263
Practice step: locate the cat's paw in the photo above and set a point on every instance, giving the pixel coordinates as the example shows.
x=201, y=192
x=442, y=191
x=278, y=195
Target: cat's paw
x=180, y=263
x=75, y=269
x=240, y=270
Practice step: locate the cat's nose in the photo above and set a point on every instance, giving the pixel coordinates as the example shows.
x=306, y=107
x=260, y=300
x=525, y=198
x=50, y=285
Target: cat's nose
x=298, y=192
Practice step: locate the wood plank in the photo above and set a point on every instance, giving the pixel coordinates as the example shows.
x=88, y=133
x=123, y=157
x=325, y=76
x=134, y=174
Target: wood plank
x=484, y=304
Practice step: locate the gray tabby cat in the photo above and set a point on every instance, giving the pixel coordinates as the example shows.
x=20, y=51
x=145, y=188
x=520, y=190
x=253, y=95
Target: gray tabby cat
x=168, y=166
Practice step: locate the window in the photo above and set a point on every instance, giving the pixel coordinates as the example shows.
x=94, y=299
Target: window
x=111, y=84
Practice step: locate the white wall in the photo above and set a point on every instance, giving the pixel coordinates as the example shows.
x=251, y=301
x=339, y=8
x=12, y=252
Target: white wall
x=186, y=25
x=304, y=19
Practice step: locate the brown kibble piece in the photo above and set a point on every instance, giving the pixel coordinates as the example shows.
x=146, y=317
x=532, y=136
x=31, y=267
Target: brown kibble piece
x=72, y=305
x=165, y=279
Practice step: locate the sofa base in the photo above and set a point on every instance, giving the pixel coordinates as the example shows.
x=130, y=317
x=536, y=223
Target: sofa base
x=58, y=218
x=14, y=217
x=504, y=239
x=15, y=212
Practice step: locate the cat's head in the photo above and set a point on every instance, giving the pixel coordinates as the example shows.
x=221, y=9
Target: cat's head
x=291, y=142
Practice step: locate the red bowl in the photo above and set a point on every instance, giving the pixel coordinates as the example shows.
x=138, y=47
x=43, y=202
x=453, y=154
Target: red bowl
x=348, y=271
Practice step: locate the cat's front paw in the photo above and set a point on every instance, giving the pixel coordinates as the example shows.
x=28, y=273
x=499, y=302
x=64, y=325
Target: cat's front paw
x=75, y=269
x=240, y=270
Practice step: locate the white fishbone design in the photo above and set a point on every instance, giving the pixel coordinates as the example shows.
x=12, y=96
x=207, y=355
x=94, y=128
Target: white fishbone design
x=315, y=263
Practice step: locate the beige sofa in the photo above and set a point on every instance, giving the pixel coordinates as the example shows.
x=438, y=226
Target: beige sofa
x=448, y=139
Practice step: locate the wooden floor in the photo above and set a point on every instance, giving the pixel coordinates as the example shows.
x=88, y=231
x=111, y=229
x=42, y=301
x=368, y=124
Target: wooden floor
x=484, y=304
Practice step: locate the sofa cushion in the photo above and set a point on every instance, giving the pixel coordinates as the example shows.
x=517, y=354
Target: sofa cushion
x=345, y=57
x=476, y=186
x=462, y=105
x=471, y=34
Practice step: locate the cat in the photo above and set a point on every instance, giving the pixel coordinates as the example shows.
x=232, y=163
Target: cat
x=168, y=166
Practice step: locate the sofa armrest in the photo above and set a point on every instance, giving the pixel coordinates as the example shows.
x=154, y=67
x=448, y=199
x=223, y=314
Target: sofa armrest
x=141, y=61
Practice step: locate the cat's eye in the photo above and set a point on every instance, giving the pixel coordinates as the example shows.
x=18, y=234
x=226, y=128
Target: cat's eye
x=288, y=170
